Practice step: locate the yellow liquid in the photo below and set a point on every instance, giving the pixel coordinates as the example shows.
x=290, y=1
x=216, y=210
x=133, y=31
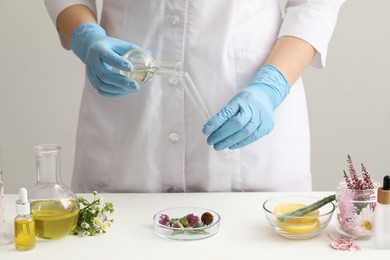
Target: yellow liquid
x=24, y=233
x=141, y=75
x=304, y=225
x=55, y=218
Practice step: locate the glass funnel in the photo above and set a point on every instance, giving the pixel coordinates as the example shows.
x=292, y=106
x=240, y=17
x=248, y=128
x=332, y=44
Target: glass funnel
x=145, y=67
x=55, y=207
x=5, y=238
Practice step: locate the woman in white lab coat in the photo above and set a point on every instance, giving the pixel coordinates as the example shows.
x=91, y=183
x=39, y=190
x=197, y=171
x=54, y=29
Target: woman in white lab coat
x=150, y=139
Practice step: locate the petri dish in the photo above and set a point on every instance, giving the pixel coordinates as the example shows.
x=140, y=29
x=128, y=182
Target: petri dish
x=186, y=233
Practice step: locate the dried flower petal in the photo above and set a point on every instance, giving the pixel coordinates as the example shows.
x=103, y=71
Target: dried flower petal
x=343, y=244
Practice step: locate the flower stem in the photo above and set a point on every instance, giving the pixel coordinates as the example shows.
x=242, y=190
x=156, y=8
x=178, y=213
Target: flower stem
x=89, y=205
x=303, y=211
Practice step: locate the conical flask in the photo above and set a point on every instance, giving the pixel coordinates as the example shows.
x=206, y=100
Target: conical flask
x=55, y=207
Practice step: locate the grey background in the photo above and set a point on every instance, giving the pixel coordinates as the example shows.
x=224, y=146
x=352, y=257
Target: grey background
x=41, y=85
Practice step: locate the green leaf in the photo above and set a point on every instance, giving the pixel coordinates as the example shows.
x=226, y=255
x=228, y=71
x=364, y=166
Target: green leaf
x=305, y=210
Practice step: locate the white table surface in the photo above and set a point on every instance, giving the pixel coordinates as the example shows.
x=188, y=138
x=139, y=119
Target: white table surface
x=244, y=233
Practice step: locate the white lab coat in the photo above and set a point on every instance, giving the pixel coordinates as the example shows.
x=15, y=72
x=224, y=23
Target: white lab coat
x=152, y=141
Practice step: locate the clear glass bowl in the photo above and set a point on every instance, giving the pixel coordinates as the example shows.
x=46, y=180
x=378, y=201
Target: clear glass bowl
x=298, y=227
x=185, y=233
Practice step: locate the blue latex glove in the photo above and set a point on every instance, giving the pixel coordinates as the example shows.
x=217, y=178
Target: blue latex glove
x=249, y=115
x=101, y=53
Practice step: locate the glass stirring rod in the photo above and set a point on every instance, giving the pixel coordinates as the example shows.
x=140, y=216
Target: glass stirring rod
x=144, y=69
x=197, y=101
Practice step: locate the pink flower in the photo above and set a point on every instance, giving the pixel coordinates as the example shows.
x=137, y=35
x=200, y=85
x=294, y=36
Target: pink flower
x=177, y=224
x=192, y=220
x=367, y=179
x=164, y=220
x=353, y=181
x=355, y=202
x=357, y=183
x=346, y=209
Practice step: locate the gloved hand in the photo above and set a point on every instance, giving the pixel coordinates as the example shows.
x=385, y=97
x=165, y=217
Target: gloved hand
x=249, y=115
x=101, y=53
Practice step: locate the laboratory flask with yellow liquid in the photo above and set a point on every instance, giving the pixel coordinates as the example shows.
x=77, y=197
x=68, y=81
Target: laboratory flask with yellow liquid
x=55, y=207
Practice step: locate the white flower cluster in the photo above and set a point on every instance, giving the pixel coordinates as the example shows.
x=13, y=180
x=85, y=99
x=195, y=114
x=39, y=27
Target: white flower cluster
x=95, y=217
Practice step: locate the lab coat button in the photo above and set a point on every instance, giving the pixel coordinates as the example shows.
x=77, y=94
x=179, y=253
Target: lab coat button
x=173, y=80
x=175, y=20
x=174, y=137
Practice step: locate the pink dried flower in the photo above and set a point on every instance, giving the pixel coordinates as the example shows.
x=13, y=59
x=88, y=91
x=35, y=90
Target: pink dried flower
x=192, y=220
x=347, y=181
x=177, y=224
x=357, y=183
x=343, y=244
x=346, y=209
x=164, y=220
x=353, y=181
x=355, y=211
x=368, y=185
x=189, y=221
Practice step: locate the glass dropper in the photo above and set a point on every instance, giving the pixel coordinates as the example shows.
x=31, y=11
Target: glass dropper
x=144, y=69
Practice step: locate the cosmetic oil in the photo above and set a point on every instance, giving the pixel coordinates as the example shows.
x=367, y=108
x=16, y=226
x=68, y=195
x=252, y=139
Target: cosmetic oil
x=54, y=206
x=24, y=223
x=144, y=66
x=55, y=218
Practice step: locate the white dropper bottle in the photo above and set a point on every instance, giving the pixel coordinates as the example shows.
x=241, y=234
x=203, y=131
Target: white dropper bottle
x=382, y=216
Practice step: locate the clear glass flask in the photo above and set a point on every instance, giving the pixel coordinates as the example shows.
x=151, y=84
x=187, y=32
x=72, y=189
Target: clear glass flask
x=5, y=238
x=145, y=67
x=54, y=206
